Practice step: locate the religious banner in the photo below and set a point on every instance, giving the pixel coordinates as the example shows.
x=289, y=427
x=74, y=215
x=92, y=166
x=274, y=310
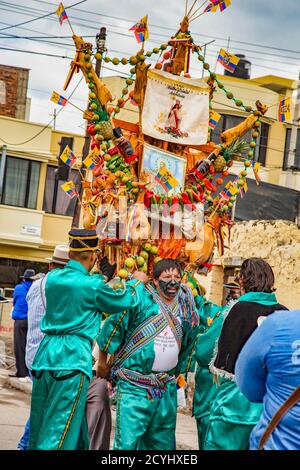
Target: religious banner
x=176, y=109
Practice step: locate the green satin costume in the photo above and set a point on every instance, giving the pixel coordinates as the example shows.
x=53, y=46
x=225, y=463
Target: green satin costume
x=74, y=302
x=144, y=423
x=211, y=320
x=232, y=416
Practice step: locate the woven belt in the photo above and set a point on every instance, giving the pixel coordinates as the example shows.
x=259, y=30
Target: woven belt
x=155, y=384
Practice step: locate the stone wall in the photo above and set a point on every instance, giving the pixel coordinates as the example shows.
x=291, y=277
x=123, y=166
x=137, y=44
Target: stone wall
x=278, y=242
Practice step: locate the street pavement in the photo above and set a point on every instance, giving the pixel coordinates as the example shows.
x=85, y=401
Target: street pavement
x=14, y=412
x=15, y=407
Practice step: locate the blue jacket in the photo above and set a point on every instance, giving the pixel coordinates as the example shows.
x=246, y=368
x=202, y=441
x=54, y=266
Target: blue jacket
x=268, y=371
x=20, y=304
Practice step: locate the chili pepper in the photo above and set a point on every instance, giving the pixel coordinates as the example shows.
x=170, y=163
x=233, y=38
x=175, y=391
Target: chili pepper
x=157, y=197
x=197, y=197
x=147, y=198
x=161, y=200
x=195, y=189
x=191, y=198
x=153, y=200
x=181, y=203
x=165, y=207
x=185, y=198
x=170, y=201
x=175, y=205
x=208, y=184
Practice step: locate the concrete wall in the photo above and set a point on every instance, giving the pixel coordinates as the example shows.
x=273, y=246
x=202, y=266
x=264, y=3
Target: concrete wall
x=278, y=242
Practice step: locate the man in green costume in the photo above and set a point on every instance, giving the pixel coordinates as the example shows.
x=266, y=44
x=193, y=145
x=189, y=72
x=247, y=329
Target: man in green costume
x=63, y=364
x=153, y=345
x=205, y=389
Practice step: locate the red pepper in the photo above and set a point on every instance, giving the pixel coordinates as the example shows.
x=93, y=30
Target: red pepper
x=196, y=196
x=165, y=207
x=185, y=198
x=131, y=158
x=147, y=198
x=208, y=184
x=175, y=205
x=199, y=175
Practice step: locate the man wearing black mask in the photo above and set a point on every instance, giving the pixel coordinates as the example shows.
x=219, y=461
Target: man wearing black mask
x=152, y=344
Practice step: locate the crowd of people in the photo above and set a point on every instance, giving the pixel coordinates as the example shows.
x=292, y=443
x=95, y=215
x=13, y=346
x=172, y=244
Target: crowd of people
x=87, y=342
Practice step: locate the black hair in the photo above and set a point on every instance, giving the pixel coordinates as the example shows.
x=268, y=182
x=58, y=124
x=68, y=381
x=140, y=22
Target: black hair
x=165, y=265
x=257, y=276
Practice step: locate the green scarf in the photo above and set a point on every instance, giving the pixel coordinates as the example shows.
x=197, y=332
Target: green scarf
x=263, y=298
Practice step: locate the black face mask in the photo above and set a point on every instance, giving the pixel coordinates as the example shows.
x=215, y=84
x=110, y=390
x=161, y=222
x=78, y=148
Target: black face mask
x=166, y=286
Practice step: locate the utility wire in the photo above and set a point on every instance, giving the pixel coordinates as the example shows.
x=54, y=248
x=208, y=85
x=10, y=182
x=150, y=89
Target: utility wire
x=161, y=35
x=40, y=17
x=47, y=125
x=94, y=13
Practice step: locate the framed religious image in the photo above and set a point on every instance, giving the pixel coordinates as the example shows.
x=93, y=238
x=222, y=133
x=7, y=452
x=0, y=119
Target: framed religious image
x=166, y=170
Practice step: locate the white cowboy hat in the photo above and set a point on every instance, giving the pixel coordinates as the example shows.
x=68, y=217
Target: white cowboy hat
x=60, y=255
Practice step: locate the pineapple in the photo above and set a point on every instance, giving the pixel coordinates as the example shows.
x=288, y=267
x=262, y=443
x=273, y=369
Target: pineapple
x=219, y=164
x=106, y=130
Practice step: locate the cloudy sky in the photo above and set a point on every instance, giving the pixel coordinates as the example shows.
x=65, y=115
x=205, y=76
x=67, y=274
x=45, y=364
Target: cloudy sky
x=266, y=31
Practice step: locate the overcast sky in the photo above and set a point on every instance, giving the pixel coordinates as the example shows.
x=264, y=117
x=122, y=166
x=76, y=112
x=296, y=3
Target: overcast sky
x=260, y=22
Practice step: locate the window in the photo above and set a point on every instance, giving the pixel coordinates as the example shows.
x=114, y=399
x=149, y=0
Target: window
x=228, y=122
x=296, y=161
x=263, y=143
x=21, y=182
x=56, y=200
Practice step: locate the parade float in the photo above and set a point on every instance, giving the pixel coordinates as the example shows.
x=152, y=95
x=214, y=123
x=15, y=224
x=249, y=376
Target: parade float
x=143, y=181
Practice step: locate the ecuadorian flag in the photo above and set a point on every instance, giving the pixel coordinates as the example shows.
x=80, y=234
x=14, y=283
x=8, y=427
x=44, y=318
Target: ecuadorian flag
x=284, y=110
x=229, y=61
x=89, y=162
x=68, y=157
x=165, y=178
x=61, y=13
x=225, y=4
x=69, y=189
x=141, y=30
x=214, y=118
x=58, y=99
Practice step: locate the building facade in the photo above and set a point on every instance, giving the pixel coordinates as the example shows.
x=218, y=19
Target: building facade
x=273, y=146
x=35, y=214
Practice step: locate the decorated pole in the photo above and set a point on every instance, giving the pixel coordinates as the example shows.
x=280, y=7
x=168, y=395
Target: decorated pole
x=100, y=41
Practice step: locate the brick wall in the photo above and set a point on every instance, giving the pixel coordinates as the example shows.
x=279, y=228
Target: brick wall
x=13, y=91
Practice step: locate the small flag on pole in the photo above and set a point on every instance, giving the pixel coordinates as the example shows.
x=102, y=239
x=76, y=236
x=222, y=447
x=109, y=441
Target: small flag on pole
x=58, y=99
x=256, y=168
x=244, y=189
x=214, y=118
x=224, y=4
x=141, y=30
x=229, y=61
x=165, y=178
x=61, y=13
x=68, y=157
x=212, y=7
x=284, y=110
x=214, y=4
x=69, y=189
x=89, y=162
x=230, y=190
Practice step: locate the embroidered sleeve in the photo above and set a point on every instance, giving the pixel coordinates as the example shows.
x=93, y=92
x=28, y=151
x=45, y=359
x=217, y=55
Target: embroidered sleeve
x=113, y=332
